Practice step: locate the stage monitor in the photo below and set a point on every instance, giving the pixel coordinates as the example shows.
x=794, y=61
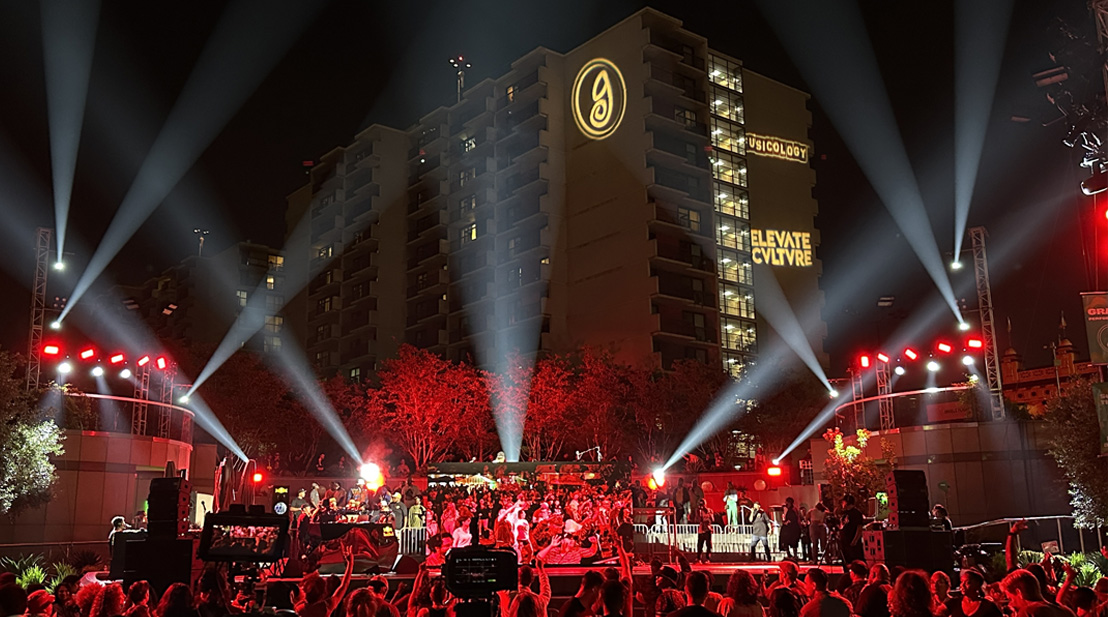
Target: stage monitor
x=246, y=538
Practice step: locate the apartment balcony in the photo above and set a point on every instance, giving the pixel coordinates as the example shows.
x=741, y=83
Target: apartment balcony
x=673, y=288
x=681, y=261
x=436, y=283
x=681, y=329
x=434, y=222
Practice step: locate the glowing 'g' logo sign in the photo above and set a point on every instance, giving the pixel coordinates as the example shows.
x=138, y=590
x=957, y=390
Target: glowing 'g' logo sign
x=599, y=98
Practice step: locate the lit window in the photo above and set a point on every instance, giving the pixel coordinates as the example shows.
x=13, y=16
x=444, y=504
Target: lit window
x=325, y=252
x=468, y=233
x=274, y=302
x=322, y=332
x=686, y=117
x=272, y=343
x=355, y=374
x=270, y=282
x=241, y=295
x=466, y=175
x=276, y=263
x=510, y=93
x=468, y=143
x=688, y=218
x=273, y=323
x=468, y=204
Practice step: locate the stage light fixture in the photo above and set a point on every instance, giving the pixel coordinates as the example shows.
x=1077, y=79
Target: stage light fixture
x=773, y=470
x=955, y=265
x=257, y=478
x=975, y=343
x=967, y=360
x=184, y=400
x=143, y=361
x=51, y=350
x=55, y=325
x=944, y=347
x=863, y=361
x=125, y=373
x=160, y=363
x=882, y=357
x=659, y=477
x=88, y=354
x=371, y=474
x=933, y=366
x=899, y=370
x=833, y=393
x=116, y=359
x=97, y=371
x=911, y=354
x=59, y=266
x=964, y=326
x=64, y=368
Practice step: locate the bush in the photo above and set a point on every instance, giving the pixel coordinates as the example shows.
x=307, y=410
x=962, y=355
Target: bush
x=16, y=565
x=33, y=575
x=85, y=560
x=61, y=570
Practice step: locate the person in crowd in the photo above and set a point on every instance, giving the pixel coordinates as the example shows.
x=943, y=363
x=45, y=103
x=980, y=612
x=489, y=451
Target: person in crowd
x=941, y=518
x=438, y=546
x=118, y=524
x=316, y=495
x=784, y=602
x=213, y=598
x=817, y=530
x=614, y=596
x=761, y=527
x=805, y=534
x=441, y=602
x=361, y=603
x=86, y=595
x=788, y=576
x=790, y=531
x=299, y=503
x=40, y=604
x=379, y=587
x=65, y=604
x=176, y=602
x=13, y=600
x=649, y=588
x=138, y=600
x=681, y=499
x=581, y=603
x=911, y=596
x=540, y=600
x=697, y=586
x=416, y=513
x=109, y=602
x=1025, y=596
x=850, y=534
x=973, y=602
x=873, y=601
x=940, y=586
x=823, y=603
x=696, y=497
x=857, y=572
x=704, y=532
x=310, y=598
x=742, y=596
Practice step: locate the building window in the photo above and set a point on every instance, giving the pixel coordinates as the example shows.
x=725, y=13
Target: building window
x=686, y=117
x=242, y=297
x=325, y=252
x=510, y=93
x=270, y=282
x=273, y=323
x=322, y=332
x=326, y=304
x=271, y=343
x=689, y=219
x=274, y=302
x=515, y=277
x=355, y=374
x=468, y=233
x=327, y=277
x=276, y=263
x=725, y=73
x=731, y=200
x=468, y=143
x=323, y=358
x=727, y=135
x=358, y=290
x=726, y=103
x=466, y=175
x=468, y=204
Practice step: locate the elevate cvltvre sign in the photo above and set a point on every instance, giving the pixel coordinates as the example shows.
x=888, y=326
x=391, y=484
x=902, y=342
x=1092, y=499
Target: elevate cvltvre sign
x=774, y=247
x=776, y=147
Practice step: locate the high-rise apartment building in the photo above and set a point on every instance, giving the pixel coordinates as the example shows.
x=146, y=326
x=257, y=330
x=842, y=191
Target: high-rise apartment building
x=607, y=196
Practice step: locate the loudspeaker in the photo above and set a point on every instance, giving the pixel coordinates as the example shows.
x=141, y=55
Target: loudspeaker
x=168, y=507
x=909, y=504
x=910, y=548
x=161, y=562
x=406, y=565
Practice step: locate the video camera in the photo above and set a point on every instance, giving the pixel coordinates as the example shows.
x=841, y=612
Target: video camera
x=244, y=538
x=478, y=572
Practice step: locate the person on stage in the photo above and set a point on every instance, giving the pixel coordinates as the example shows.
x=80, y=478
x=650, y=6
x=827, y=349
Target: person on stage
x=761, y=523
x=850, y=534
x=731, y=505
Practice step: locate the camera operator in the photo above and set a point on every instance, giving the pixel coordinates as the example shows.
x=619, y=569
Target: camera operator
x=309, y=597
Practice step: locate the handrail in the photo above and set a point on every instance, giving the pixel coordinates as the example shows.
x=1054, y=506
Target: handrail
x=130, y=399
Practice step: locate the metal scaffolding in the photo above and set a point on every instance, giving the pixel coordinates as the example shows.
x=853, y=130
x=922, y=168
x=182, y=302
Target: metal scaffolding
x=38, y=306
x=884, y=404
x=142, y=394
x=165, y=414
x=858, y=393
x=988, y=325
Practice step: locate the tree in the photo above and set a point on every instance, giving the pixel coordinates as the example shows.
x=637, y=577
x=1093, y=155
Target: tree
x=28, y=438
x=783, y=408
x=421, y=398
x=1075, y=446
x=550, y=398
x=604, y=403
x=850, y=471
x=673, y=401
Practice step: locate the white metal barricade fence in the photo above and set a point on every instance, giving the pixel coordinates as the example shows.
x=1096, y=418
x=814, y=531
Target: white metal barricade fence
x=413, y=540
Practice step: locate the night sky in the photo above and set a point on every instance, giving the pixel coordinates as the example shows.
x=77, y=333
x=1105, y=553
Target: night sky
x=358, y=63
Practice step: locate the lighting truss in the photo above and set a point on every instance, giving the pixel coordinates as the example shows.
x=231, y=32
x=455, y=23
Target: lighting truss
x=988, y=326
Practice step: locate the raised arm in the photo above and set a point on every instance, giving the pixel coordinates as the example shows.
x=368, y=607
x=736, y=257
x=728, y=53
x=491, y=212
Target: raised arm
x=1064, y=590
x=336, y=598
x=417, y=586
x=544, y=581
x=1011, y=553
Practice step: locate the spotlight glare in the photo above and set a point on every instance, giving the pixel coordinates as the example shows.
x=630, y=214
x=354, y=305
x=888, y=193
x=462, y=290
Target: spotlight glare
x=833, y=393
x=944, y=347
x=659, y=476
x=59, y=266
x=911, y=354
x=967, y=360
x=932, y=390
x=143, y=361
x=963, y=326
x=882, y=357
x=899, y=370
x=55, y=325
x=97, y=371
x=116, y=359
x=51, y=350
x=773, y=470
x=87, y=354
x=975, y=343
x=64, y=368
x=955, y=265
x=372, y=475
x=933, y=366
x=973, y=378
x=863, y=361
x=160, y=363
x=184, y=400
x=125, y=373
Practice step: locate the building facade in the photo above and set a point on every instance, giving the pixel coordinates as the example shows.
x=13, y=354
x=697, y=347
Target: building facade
x=598, y=197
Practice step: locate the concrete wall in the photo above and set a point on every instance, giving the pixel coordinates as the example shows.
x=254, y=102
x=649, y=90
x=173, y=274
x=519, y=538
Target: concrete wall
x=979, y=471
x=101, y=475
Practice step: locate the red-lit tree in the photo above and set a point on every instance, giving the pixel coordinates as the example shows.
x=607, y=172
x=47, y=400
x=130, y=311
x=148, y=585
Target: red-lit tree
x=550, y=400
x=604, y=403
x=671, y=402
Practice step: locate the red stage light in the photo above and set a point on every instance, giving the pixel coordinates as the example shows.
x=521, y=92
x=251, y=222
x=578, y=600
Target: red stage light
x=910, y=354
x=882, y=357
x=51, y=350
x=257, y=477
x=116, y=359
x=863, y=361
x=143, y=360
x=773, y=470
x=975, y=343
x=160, y=362
x=87, y=353
x=944, y=347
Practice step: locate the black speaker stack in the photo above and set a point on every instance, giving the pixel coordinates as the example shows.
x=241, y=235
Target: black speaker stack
x=167, y=508
x=907, y=540
x=164, y=554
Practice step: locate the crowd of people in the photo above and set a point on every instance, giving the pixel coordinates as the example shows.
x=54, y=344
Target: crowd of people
x=785, y=591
